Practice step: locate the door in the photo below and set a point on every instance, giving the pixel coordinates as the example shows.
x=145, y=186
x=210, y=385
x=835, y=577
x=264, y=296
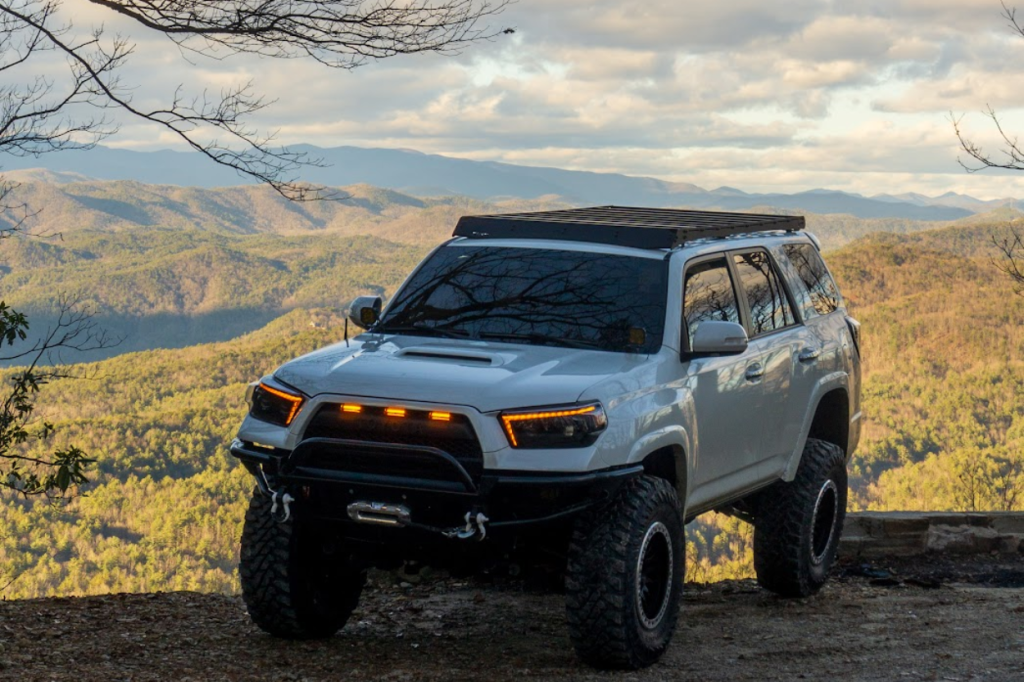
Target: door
x=727, y=391
x=776, y=337
x=826, y=340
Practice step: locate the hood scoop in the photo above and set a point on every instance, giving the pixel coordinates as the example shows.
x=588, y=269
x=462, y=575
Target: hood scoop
x=443, y=354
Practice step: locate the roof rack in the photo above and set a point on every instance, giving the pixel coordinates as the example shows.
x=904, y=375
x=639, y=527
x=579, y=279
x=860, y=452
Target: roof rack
x=645, y=228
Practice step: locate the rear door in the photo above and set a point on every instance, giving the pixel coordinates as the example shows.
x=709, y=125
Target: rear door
x=776, y=338
x=826, y=345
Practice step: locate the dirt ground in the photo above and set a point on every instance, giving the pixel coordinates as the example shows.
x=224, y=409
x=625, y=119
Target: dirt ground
x=949, y=620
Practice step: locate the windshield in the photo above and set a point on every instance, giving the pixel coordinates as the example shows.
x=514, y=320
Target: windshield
x=539, y=296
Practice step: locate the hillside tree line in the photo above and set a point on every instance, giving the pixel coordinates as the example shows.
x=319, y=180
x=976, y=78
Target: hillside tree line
x=44, y=113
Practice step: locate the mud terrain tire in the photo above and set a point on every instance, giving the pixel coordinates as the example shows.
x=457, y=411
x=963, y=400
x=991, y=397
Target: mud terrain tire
x=797, y=525
x=290, y=587
x=624, y=576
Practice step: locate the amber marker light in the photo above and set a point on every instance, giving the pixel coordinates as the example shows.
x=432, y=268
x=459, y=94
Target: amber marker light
x=441, y=416
x=354, y=409
x=395, y=411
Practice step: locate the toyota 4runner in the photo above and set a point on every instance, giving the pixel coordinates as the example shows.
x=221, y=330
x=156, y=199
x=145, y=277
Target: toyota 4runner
x=562, y=388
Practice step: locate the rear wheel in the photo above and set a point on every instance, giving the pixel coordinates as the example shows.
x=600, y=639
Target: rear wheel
x=797, y=525
x=291, y=587
x=624, y=576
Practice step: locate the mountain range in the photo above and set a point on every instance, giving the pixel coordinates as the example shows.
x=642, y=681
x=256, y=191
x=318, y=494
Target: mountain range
x=432, y=175
x=943, y=372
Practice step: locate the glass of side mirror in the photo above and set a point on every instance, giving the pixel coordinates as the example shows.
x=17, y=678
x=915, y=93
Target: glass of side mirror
x=364, y=311
x=714, y=337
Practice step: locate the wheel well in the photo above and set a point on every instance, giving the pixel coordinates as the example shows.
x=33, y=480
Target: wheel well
x=668, y=463
x=832, y=419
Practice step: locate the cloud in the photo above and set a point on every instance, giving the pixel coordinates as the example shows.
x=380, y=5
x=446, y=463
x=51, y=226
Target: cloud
x=803, y=91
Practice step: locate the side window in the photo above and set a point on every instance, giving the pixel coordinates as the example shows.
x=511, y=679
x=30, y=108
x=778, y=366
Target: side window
x=769, y=306
x=813, y=273
x=708, y=295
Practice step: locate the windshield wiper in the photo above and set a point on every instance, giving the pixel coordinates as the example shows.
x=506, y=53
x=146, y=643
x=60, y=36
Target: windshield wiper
x=417, y=328
x=542, y=338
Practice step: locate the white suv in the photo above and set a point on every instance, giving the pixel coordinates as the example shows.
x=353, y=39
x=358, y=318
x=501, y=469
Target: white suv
x=563, y=388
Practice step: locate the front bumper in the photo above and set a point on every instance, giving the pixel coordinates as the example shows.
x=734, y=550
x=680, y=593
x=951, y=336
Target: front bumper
x=438, y=499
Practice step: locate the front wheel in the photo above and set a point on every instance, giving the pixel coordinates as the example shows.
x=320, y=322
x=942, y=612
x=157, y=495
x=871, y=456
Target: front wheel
x=797, y=525
x=624, y=576
x=290, y=586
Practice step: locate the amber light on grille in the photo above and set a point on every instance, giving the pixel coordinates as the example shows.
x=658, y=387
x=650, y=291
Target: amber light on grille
x=353, y=409
x=556, y=428
x=441, y=416
x=395, y=411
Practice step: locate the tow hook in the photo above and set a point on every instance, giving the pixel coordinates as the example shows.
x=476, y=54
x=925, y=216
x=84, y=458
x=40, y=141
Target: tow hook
x=475, y=528
x=280, y=509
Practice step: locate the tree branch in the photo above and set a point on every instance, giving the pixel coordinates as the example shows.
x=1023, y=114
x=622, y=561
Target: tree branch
x=337, y=33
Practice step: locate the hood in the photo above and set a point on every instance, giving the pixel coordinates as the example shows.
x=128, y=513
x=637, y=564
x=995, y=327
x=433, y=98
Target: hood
x=481, y=374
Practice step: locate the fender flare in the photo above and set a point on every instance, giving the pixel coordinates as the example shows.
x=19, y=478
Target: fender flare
x=828, y=383
x=668, y=436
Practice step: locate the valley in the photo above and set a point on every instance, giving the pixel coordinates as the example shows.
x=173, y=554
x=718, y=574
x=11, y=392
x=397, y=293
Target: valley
x=205, y=307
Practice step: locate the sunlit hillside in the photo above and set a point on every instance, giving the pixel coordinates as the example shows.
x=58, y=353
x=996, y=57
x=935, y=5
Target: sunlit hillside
x=168, y=267
x=944, y=369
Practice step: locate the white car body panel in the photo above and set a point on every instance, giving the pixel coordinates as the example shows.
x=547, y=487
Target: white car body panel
x=737, y=434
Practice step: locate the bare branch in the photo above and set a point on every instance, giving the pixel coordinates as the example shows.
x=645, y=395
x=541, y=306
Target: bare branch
x=338, y=33
x=1009, y=157
x=41, y=363
x=1012, y=262
x=1011, y=149
x=34, y=118
x=1010, y=14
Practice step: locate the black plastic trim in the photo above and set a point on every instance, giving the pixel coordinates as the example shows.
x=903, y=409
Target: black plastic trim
x=645, y=228
x=517, y=478
x=595, y=485
x=292, y=465
x=317, y=475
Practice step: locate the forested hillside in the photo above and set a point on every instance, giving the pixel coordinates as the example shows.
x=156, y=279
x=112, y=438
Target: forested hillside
x=944, y=375
x=165, y=508
x=169, y=267
x=944, y=370
x=943, y=340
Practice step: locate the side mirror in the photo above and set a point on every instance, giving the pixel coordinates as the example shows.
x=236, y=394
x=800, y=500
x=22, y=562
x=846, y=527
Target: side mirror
x=714, y=337
x=365, y=310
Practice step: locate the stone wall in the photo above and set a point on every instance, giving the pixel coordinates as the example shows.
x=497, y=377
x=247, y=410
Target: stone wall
x=878, y=534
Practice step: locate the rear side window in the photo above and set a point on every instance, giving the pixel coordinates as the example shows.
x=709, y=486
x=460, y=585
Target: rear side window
x=812, y=272
x=708, y=295
x=769, y=305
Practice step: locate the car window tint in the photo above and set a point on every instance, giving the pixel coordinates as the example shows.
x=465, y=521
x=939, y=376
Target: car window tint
x=769, y=307
x=812, y=272
x=536, y=296
x=708, y=295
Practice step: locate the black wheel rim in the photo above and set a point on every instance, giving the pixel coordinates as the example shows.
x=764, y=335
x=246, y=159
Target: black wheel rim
x=823, y=523
x=654, y=575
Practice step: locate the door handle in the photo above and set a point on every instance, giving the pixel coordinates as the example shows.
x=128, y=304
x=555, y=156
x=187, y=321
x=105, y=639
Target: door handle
x=809, y=354
x=755, y=371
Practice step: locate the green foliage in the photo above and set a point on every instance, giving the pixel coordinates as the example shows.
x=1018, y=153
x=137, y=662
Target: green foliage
x=944, y=375
x=166, y=506
x=943, y=344
x=46, y=474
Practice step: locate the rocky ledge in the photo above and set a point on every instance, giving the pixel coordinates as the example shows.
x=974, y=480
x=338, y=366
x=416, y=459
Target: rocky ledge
x=878, y=534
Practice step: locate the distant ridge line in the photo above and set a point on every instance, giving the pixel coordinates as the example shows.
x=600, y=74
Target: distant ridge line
x=432, y=174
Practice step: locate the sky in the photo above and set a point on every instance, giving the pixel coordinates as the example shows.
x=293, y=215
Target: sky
x=852, y=95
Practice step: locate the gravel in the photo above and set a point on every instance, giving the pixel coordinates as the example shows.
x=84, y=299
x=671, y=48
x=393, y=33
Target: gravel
x=909, y=620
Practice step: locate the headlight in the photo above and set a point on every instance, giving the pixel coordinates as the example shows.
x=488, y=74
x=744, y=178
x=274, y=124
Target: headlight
x=573, y=426
x=274, y=405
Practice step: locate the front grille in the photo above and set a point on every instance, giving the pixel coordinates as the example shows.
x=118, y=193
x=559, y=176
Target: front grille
x=372, y=425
